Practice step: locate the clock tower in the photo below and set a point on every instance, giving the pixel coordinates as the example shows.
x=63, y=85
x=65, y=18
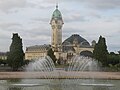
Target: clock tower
x=56, y=24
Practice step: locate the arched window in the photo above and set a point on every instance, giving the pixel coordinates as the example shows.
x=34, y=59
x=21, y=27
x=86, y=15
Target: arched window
x=86, y=53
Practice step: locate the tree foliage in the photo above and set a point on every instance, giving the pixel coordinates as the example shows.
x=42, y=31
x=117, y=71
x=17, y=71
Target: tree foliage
x=3, y=61
x=119, y=52
x=16, y=54
x=100, y=51
x=51, y=54
x=113, y=59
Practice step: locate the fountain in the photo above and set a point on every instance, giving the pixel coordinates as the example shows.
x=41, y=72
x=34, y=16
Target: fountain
x=77, y=76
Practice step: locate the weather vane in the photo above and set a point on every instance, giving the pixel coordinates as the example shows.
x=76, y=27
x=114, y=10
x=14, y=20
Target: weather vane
x=56, y=3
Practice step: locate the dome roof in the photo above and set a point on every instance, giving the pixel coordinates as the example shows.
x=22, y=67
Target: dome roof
x=56, y=14
x=75, y=38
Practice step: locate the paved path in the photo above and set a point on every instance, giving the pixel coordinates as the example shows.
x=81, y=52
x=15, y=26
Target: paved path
x=59, y=74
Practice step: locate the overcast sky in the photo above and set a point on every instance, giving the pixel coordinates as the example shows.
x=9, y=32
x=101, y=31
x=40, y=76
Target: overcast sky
x=88, y=18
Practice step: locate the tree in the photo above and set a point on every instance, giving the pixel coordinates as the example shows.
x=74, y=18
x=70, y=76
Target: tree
x=51, y=54
x=112, y=53
x=16, y=54
x=119, y=52
x=113, y=59
x=100, y=51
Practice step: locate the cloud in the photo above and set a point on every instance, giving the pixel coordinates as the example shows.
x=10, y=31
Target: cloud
x=4, y=26
x=75, y=17
x=94, y=15
x=71, y=31
x=100, y=4
x=4, y=46
x=5, y=5
x=104, y=4
x=40, y=19
x=42, y=4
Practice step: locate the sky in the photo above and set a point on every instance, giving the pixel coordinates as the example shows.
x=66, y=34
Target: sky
x=31, y=18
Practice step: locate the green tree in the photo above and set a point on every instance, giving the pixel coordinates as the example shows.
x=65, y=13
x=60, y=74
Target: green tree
x=51, y=54
x=113, y=59
x=100, y=51
x=119, y=52
x=16, y=54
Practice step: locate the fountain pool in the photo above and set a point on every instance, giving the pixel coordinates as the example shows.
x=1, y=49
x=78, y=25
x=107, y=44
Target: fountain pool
x=81, y=74
x=59, y=84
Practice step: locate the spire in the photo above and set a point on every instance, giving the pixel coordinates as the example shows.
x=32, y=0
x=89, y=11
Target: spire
x=57, y=6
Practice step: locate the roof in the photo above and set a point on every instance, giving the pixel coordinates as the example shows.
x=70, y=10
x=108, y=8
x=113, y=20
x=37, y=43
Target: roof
x=38, y=47
x=56, y=14
x=75, y=38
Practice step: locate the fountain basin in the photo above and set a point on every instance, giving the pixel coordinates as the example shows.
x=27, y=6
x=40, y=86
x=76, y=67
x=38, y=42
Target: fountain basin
x=61, y=75
x=34, y=85
x=59, y=84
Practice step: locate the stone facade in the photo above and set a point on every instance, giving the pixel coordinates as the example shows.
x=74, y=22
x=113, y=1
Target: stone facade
x=36, y=52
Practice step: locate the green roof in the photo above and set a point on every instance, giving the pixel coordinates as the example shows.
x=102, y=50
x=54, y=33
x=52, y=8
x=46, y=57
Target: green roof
x=57, y=14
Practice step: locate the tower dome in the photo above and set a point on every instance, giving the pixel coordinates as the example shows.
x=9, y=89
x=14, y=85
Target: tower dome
x=56, y=14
